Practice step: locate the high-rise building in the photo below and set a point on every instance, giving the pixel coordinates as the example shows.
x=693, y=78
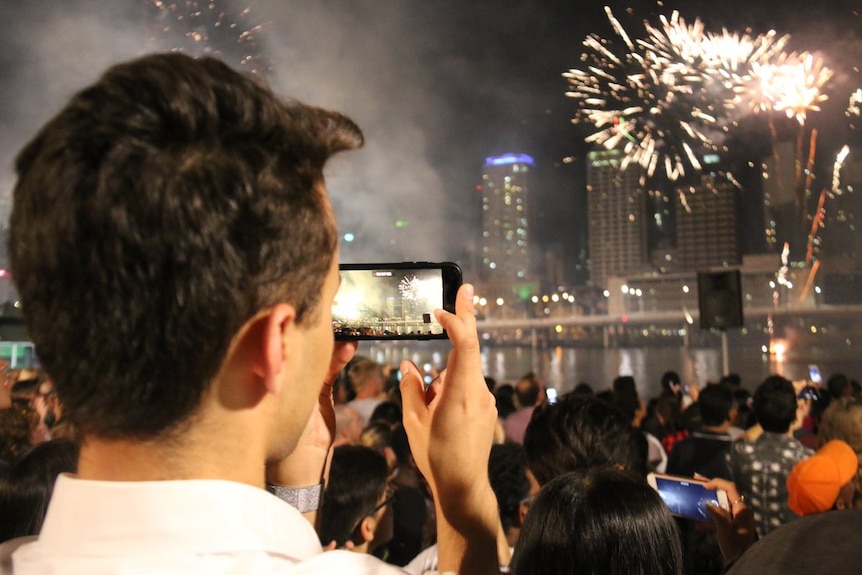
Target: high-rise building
x=616, y=207
x=707, y=225
x=505, y=222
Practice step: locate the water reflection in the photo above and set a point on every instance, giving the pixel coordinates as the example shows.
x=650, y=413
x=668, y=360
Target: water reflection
x=563, y=368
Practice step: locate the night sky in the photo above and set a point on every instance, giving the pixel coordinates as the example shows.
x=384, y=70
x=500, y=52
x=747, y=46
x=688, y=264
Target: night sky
x=436, y=86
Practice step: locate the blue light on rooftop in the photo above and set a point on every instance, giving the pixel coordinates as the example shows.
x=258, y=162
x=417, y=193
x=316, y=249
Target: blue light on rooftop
x=509, y=159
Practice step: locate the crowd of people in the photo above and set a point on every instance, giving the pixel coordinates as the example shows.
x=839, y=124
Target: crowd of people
x=194, y=414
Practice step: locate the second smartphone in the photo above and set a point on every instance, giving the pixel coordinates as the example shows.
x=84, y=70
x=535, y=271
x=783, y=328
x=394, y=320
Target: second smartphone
x=687, y=497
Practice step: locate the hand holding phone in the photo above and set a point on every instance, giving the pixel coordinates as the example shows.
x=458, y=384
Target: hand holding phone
x=687, y=497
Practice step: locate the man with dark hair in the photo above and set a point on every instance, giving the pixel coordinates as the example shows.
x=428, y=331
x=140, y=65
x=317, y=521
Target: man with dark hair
x=705, y=452
x=579, y=433
x=760, y=468
x=510, y=480
x=176, y=257
x=356, y=502
x=528, y=395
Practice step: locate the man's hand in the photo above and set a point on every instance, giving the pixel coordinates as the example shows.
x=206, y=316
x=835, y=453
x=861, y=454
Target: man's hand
x=451, y=427
x=308, y=462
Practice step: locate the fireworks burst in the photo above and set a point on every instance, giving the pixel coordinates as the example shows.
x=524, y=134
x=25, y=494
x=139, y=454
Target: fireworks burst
x=663, y=98
x=201, y=27
x=409, y=288
x=792, y=84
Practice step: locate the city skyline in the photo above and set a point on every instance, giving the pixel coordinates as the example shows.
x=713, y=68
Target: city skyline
x=437, y=89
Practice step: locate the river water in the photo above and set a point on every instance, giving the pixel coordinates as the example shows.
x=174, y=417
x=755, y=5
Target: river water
x=565, y=367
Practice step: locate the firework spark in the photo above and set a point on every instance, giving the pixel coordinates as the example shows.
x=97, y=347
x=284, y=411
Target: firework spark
x=663, y=98
x=201, y=27
x=836, y=169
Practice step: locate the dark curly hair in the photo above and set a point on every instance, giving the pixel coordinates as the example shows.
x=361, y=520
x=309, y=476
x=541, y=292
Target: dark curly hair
x=161, y=209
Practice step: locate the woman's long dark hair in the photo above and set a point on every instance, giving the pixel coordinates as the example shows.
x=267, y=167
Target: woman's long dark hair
x=598, y=522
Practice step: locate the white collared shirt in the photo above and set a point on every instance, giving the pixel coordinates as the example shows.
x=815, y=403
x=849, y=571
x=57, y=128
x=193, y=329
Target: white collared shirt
x=201, y=527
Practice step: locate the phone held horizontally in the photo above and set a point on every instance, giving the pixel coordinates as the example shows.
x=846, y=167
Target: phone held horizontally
x=394, y=301
x=687, y=497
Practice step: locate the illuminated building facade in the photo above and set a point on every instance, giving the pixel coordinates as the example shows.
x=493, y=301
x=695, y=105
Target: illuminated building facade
x=505, y=223
x=616, y=208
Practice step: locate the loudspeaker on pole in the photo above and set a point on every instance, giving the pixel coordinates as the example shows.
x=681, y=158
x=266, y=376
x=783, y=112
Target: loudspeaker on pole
x=719, y=299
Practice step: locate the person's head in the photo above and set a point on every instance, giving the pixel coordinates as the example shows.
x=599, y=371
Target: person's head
x=387, y=412
x=624, y=384
x=366, y=376
x=667, y=410
x=598, y=522
x=775, y=404
x=732, y=380
x=505, y=396
x=528, y=391
x=379, y=436
x=742, y=399
x=507, y=470
x=716, y=405
x=348, y=425
x=583, y=388
x=581, y=433
x=27, y=486
x=839, y=386
x=626, y=398
x=843, y=420
x=824, y=480
x=356, y=500
x=182, y=207
x=671, y=383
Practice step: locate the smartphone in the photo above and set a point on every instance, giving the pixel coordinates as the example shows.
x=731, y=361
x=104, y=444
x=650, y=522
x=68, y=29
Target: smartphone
x=394, y=300
x=551, y=395
x=687, y=497
x=814, y=374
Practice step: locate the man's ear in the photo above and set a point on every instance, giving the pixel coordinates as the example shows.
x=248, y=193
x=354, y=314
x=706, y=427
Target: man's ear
x=366, y=528
x=274, y=329
x=523, y=508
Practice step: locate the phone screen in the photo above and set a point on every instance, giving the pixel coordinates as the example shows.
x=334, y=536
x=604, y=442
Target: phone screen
x=686, y=498
x=393, y=301
x=814, y=374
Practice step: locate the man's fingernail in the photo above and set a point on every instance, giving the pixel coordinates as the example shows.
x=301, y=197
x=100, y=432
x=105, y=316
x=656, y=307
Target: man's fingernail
x=468, y=291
